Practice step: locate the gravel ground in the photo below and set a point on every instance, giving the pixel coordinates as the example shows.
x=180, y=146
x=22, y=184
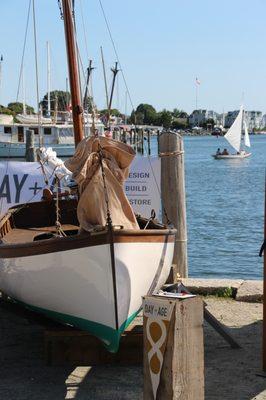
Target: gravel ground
x=229, y=374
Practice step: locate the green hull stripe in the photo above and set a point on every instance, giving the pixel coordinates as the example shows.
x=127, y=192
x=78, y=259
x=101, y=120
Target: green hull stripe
x=109, y=336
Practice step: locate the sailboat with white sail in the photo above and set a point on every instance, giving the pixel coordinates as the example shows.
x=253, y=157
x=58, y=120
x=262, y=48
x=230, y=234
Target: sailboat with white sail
x=236, y=139
x=85, y=261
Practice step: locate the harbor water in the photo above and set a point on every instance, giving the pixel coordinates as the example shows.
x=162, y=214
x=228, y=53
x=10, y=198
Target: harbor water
x=225, y=207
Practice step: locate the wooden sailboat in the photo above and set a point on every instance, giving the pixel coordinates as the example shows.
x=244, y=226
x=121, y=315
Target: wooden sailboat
x=234, y=137
x=93, y=280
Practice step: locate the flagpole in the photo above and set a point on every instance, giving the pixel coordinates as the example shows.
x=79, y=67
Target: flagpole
x=196, y=95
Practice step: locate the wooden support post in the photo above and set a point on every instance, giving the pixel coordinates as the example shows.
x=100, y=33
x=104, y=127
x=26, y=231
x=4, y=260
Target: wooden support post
x=173, y=349
x=30, y=154
x=149, y=142
x=171, y=151
x=142, y=141
x=138, y=141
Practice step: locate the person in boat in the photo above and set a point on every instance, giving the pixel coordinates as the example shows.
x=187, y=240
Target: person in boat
x=218, y=152
x=225, y=152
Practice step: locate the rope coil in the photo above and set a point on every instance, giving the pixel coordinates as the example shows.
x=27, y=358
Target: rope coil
x=172, y=153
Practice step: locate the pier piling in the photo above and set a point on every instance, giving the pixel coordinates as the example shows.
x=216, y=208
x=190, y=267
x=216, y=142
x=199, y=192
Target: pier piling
x=171, y=151
x=30, y=154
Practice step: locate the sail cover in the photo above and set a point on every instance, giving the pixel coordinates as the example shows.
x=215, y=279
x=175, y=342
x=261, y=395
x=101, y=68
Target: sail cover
x=246, y=137
x=233, y=136
x=86, y=168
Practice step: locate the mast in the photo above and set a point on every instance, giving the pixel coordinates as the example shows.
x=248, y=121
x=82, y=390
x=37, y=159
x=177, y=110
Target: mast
x=85, y=99
x=1, y=61
x=105, y=80
x=73, y=72
x=23, y=92
x=48, y=80
x=114, y=71
x=126, y=108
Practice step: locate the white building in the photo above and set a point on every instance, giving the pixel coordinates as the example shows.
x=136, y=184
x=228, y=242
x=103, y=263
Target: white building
x=199, y=117
x=253, y=119
x=263, y=121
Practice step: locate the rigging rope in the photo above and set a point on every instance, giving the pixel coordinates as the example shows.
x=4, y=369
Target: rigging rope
x=130, y=98
x=116, y=53
x=19, y=82
x=84, y=31
x=108, y=213
x=36, y=69
x=24, y=48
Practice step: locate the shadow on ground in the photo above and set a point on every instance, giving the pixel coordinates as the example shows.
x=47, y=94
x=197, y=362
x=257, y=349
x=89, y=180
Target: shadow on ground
x=230, y=374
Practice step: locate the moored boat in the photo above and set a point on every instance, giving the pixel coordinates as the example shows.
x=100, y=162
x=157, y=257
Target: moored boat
x=85, y=260
x=234, y=136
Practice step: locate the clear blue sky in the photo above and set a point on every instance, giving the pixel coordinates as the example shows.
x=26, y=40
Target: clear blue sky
x=163, y=46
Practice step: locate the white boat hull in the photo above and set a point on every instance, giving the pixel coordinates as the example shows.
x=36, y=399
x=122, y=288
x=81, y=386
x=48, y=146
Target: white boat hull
x=76, y=286
x=17, y=150
x=231, y=156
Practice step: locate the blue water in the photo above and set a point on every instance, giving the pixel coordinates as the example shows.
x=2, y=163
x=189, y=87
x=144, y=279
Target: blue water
x=225, y=207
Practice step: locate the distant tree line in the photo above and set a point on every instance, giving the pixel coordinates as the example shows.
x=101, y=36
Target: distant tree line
x=145, y=114
x=15, y=108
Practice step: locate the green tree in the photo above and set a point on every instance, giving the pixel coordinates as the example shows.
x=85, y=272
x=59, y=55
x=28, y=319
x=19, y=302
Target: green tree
x=136, y=118
x=113, y=111
x=208, y=123
x=148, y=112
x=165, y=118
x=5, y=110
x=89, y=104
x=179, y=123
x=61, y=97
x=17, y=108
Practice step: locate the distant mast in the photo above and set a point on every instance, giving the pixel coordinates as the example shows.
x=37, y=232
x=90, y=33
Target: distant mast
x=48, y=81
x=24, y=92
x=77, y=111
x=1, y=61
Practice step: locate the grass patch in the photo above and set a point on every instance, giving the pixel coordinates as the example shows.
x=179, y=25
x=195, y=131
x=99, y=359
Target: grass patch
x=226, y=292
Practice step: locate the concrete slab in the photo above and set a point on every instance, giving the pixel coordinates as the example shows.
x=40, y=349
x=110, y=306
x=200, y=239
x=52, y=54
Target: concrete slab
x=261, y=396
x=213, y=286
x=251, y=291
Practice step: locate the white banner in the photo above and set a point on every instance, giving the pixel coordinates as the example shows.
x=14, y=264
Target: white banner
x=20, y=182
x=23, y=182
x=143, y=185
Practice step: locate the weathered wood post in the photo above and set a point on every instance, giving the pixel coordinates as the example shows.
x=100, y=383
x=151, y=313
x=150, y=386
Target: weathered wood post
x=138, y=144
x=149, y=142
x=30, y=154
x=142, y=141
x=173, y=349
x=171, y=151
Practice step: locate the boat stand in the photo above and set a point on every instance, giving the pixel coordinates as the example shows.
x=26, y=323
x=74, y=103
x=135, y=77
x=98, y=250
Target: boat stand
x=220, y=328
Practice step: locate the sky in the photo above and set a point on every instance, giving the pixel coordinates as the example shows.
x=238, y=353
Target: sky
x=163, y=46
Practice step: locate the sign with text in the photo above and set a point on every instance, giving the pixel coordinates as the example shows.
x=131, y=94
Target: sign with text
x=143, y=185
x=23, y=182
x=157, y=314
x=20, y=182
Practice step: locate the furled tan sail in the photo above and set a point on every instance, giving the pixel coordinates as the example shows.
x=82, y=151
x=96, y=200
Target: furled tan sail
x=86, y=168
